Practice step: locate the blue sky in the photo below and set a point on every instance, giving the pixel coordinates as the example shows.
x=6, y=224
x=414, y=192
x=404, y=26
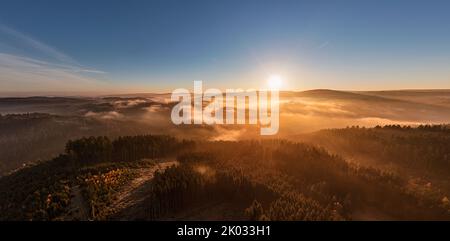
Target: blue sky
x=144, y=46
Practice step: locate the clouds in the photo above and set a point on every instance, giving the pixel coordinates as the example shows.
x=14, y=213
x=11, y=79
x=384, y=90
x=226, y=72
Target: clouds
x=109, y=115
x=26, y=74
x=23, y=40
x=27, y=64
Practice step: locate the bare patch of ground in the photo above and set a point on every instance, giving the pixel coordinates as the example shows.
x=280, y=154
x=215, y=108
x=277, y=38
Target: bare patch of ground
x=126, y=205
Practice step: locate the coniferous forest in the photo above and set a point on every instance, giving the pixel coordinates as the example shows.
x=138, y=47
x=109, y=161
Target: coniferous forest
x=273, y=179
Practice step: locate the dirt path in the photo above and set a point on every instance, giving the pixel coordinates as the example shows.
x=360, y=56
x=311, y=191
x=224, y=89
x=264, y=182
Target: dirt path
x=78, y=209
x=126, y=206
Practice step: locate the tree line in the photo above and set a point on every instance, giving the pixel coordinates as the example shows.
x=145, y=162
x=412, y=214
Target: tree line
x=124, y=148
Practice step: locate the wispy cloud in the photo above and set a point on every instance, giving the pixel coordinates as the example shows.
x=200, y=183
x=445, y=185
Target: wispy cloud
x=37, y=45
x=323, y=45
x=27, y=74
x=52, y=70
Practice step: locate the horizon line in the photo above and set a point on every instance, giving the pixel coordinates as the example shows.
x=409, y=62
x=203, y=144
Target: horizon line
x=95, y=94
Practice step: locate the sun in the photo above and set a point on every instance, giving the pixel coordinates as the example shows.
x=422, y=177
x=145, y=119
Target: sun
x=275, y=82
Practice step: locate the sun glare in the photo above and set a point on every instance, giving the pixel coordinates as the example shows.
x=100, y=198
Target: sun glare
x=274, y=82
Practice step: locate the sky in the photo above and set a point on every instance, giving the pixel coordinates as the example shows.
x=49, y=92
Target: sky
x=111, y=46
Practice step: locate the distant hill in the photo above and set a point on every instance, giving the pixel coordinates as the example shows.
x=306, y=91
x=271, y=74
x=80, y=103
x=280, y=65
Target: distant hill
x=29, y=137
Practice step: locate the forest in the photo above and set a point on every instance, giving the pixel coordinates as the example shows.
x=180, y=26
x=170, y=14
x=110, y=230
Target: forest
x=273, y=179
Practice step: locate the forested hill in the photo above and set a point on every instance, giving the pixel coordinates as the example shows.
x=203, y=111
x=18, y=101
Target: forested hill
x=162, y=178
x=424, y=149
